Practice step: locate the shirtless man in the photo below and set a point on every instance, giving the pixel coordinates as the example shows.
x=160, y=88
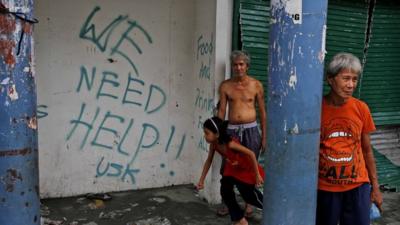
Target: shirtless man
x=242, y=93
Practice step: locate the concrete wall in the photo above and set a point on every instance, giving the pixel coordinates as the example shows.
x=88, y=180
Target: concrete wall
x=123, y=87
x=217, y=56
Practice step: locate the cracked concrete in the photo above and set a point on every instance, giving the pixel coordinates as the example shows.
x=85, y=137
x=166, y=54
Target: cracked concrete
x=178, y=205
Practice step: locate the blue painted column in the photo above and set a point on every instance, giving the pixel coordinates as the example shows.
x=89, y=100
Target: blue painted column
x=296, y=55
x=19, y=181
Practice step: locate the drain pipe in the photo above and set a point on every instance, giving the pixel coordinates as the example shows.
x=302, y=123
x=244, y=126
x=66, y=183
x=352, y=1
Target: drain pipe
x=296, y=62
x=19, y=177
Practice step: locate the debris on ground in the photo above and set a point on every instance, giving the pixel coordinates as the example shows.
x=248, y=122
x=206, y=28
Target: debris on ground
x=101, y=196
x=153, y=221
x=44, y=210
x=114, y=214
x=90, y=223
x=47, y=221
x=97, y=204
x=158, y=199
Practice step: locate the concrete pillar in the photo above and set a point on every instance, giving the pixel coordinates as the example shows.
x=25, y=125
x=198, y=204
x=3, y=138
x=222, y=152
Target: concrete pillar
x=296, y=55
x=19, y=178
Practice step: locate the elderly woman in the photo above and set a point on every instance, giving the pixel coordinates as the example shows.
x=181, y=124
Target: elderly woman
x=347, y=179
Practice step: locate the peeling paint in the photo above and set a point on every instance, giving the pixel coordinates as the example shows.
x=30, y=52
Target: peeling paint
x=293, y=81
x=10, y=179
x=32, y=123
x=5, y=81
x=15, y=152
x=6, y=51
x=301, y=52
x=27, y=28
x=292, y=49
x=295, y=129
x=12, y=93
x=285, y=125
x=293, y=8
x=7, y=24
x=321, y=55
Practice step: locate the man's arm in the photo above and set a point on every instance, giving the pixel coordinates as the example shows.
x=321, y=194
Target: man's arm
x=376, y=195
x=263, y=115
x=223, y=99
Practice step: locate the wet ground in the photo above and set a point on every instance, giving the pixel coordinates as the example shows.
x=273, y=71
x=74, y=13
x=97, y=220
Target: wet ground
x=179, y=205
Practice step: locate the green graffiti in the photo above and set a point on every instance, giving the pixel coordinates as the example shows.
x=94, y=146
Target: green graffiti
x=106, y=129
x=88, y=30
x=40, y=111
x=125, y=37
x=128, y=90
x=85, y=77
x=89, y=126
x=105, y=79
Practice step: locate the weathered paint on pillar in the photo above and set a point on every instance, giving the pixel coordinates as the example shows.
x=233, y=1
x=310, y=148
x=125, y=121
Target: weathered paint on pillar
x=296, y=55
x=19, y=190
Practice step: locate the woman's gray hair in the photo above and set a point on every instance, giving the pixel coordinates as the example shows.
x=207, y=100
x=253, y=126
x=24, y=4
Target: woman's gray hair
x=242, y=55
x=343, y=60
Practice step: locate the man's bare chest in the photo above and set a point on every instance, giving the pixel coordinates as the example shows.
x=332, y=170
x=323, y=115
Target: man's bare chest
x=241, y=96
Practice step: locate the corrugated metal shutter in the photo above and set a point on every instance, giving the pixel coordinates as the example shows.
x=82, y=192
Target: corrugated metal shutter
x=254, y=17
x=388, y=173
x=347, y=24
x=380, y=85
x=386, y=140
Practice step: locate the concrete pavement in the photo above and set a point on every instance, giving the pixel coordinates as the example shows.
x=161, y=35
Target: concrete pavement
x=178, y=205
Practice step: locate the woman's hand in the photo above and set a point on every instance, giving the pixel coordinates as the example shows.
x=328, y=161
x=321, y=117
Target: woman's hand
x=376, y=197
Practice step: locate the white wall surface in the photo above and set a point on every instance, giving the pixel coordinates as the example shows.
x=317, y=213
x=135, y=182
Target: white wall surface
x=123, y=87
x=218, y=54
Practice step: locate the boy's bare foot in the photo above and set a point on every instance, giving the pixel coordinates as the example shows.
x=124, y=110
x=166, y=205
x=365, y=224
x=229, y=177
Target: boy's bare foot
x=248, y=212
x=243, y=221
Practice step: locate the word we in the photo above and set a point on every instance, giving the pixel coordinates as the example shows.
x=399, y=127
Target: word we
x=127, y=39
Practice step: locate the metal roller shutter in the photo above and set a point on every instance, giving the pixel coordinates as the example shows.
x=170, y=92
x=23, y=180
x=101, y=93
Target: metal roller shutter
x=347, y=24
x=254, y=17
x=380, y=85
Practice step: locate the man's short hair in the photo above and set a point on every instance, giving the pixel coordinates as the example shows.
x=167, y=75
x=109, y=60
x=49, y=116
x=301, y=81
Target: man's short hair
x=242, y=55
x=341, y=61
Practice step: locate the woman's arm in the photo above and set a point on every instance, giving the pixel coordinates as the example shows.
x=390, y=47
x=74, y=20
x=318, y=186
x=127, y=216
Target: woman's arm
x=376, y=195
x=240, y=148
x=206, y=167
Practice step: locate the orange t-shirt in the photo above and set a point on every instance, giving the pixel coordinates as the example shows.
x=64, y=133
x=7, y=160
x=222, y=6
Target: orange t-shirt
x=341, y=161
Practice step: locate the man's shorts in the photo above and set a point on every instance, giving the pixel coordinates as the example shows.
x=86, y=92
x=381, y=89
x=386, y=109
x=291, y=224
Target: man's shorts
x=248, y=135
